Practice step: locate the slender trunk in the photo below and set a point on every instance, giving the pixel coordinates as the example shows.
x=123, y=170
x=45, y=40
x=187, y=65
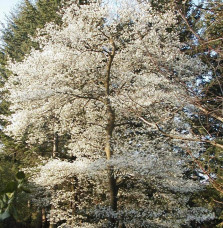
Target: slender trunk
x=14, y=157
x=38, y=223
x=55, y=145
x=108, y=147
x=52, y=225
x=29, y=219
x=41, y=219
x=44, y=220
x=74, y=203
x=54, y=155
x=121, y=225
x=111, y=178
x=113, y=195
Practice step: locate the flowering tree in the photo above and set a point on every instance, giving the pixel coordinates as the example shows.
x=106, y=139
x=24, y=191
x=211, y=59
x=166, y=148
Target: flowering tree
x=97, y=77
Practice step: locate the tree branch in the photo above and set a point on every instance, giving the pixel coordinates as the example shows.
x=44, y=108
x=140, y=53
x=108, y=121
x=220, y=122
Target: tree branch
x=180, y=137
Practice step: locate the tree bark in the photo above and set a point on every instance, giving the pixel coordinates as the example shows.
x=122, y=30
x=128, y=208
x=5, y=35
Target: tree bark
x=111, y=178
x=55, y=153
x=55, y=145
x=108, y=147
x=113, y=195
x=44, y=220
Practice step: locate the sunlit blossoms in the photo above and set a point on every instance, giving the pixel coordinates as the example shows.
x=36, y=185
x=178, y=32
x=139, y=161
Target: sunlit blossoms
x=93, y=79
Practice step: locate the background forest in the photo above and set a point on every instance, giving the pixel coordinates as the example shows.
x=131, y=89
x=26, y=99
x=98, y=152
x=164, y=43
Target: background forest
x=112, y=114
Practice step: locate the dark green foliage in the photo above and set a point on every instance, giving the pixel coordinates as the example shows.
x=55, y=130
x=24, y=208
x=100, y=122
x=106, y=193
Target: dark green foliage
x=16, y=34
x=9, y=194
x=12, y=202
x=21, y=24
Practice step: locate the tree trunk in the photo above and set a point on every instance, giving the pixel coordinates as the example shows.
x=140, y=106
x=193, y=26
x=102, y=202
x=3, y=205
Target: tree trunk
x=41, y=221
x=55, y=145
x=111, y=178
x=113, y=195
x=108, y=147
x=14, y=157
x=44, y=220
x=121, y=225
x=74, y=204
x=52, y=225
x=55, y=153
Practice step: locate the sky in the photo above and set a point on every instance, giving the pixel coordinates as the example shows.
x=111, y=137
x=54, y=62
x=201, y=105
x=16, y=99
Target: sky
x=6, y=6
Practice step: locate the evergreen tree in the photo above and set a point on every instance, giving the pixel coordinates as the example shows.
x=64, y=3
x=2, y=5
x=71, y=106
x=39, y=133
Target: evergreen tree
x=16, y=43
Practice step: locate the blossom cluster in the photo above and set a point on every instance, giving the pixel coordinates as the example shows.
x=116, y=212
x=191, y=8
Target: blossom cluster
x=127, y=61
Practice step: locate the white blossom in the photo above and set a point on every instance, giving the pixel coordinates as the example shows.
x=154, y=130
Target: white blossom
x=61, y=88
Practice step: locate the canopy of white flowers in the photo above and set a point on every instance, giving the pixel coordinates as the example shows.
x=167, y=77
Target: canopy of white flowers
x=127, y=60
